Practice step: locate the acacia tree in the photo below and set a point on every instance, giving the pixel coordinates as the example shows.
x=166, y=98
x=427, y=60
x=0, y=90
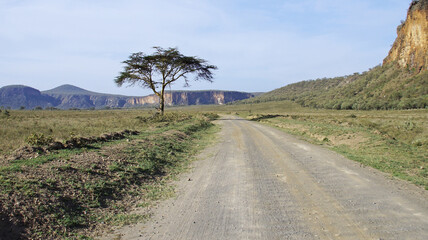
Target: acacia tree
x=161, y=69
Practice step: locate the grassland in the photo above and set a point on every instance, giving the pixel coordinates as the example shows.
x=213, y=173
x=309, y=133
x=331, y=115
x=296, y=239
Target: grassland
x=394, y=141
x=17, y=126
x=73, y=193
x=70, y=192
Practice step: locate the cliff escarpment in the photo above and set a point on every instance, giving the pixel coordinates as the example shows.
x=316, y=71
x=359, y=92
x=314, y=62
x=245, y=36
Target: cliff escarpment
x=83, y=101
x=71, y=97
x=181, y=98
x=410, y=49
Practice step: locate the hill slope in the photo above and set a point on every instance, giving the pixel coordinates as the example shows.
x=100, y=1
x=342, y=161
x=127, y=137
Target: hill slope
x=18, y=96
x=384, y=87
x=69, y=96
x=68, y=89
x=401, y=83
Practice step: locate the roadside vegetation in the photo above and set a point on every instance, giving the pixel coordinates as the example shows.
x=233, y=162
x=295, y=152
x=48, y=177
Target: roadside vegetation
x=77, y=191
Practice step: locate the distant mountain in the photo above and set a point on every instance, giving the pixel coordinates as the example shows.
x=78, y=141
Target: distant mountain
x=68, y=89
x=69, y=96
x=401, y=83
x=18, y=96
x=173, y=98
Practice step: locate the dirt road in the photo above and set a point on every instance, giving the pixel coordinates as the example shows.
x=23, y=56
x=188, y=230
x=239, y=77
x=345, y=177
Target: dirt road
x=260, y=183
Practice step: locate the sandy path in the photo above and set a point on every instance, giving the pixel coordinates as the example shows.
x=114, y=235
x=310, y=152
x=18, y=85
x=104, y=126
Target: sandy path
x=260, y=183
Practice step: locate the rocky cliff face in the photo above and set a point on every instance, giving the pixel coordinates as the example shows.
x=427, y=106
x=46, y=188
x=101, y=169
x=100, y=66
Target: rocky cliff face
x=141, y=101
x=84, y=101
x=190, y=98
x=67, y=96
x=410, y=49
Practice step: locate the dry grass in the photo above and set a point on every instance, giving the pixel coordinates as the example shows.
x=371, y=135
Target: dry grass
x=61, y=125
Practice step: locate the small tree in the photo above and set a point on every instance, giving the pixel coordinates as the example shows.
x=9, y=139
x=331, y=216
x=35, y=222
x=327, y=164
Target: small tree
x=161, y=69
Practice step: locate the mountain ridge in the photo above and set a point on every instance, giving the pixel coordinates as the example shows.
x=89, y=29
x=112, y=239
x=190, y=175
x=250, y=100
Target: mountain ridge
x=70, y=97
x=71, y=89
x=20, y=96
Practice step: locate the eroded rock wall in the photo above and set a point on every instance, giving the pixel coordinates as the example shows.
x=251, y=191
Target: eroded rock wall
x=410, y=49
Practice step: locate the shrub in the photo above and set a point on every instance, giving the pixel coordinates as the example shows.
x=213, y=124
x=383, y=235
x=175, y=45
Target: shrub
x=39, y=139
x=168, y=117
x=6, y=113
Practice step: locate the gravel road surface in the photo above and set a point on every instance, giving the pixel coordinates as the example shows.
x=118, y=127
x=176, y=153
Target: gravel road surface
x=260, y=183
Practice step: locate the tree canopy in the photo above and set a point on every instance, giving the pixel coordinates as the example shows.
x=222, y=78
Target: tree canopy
x=162, y=68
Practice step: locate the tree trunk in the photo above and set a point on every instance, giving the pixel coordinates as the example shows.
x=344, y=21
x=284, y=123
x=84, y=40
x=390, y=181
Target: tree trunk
x=162, y=101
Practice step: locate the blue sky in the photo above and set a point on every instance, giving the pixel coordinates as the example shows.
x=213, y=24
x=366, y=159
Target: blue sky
x=257, y=45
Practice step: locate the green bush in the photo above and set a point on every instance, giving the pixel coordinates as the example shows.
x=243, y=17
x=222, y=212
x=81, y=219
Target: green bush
x=167, y=117
x=39, y=139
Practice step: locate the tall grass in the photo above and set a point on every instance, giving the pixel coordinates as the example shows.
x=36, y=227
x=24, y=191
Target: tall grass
x=61, y=125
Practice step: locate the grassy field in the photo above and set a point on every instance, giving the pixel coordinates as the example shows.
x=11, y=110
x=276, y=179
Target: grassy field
x=72, y=193
x=75, y=193
x=395, y=142
x=17, y=126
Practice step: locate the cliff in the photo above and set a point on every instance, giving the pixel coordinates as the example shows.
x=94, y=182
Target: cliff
x=68, y=96
x=410, y=49
x=175, y=98
x=85, y=101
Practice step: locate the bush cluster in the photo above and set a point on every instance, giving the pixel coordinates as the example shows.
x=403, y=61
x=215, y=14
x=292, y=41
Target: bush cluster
x=39, y=139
